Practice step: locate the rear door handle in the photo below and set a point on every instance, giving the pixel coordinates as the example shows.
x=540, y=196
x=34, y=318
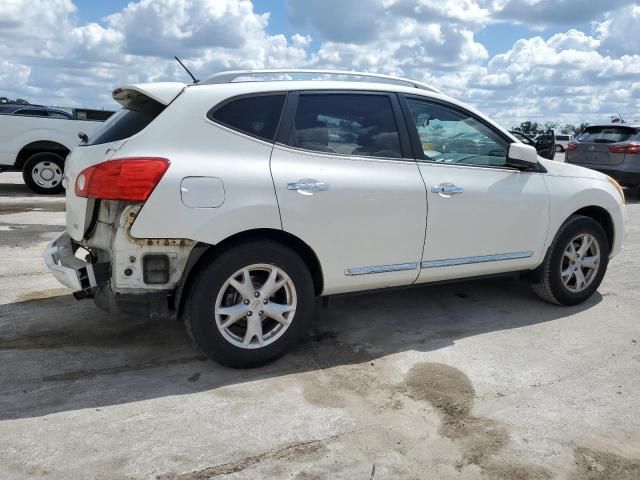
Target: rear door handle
x=447, y=189
x=308, y=185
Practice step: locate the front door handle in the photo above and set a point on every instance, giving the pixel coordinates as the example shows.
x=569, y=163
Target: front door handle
x=447, y=189
x=308, y=186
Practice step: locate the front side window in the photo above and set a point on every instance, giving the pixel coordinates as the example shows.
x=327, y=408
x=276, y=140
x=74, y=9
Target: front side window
x=257, y=116
x=346, y=124
x=453, y=136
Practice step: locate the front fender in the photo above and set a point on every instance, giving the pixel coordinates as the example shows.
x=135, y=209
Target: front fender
x=567, y=195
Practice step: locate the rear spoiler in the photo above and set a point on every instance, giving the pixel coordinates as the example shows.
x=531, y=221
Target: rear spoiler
x=161, y=92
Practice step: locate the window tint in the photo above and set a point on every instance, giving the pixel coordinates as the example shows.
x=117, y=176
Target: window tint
x=125, y=123
x=257, y=116
x=607, y=134
x=31, y=112
x=347, y=124
x=59, y=114
x=452, y=136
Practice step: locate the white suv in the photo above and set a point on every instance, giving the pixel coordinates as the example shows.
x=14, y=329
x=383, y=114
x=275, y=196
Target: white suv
x=233, y=203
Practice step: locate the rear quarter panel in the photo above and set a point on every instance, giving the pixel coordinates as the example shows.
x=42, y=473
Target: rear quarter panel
x=197, y=147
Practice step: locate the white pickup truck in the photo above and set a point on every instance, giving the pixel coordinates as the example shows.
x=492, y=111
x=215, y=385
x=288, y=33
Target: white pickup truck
x=36, y=141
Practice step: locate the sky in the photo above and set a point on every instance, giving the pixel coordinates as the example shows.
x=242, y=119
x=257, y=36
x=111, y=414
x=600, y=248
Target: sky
x=567, y=61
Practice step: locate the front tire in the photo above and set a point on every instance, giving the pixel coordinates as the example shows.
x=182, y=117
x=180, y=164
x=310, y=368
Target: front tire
x=42, y=173
x=575, y=263
x=247, y=306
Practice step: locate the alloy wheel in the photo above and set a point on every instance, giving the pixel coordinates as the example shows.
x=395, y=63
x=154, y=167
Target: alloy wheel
x=255, y=306
x=580, y=262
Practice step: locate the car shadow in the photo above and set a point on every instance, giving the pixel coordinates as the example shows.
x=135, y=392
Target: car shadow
x=21, y=190
x=59, y=355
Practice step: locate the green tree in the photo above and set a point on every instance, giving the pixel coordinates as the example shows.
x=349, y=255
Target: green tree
x=568, y=129
x=20, y=101
x=530, y=128
x=583, y=126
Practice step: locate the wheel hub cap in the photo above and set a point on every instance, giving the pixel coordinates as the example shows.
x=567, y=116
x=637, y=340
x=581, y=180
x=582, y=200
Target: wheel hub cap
x=46, y=174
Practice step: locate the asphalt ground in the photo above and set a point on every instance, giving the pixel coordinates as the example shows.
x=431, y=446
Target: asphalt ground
x=477, y=379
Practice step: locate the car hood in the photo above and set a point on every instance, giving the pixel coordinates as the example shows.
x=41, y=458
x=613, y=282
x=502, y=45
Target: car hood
x=561, y=169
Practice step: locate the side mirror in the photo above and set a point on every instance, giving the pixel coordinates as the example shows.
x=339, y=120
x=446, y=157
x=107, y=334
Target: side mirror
x=524, y=157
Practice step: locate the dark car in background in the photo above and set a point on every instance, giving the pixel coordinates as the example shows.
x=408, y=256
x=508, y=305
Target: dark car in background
x=34, y=111
x=611, y=149
x=545, y=144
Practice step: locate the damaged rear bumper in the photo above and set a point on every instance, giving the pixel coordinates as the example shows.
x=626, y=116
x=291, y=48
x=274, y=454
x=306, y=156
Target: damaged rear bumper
x=72, y=272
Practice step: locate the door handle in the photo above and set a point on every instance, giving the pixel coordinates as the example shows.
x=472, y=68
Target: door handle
x=447, y=189
x=308, y=185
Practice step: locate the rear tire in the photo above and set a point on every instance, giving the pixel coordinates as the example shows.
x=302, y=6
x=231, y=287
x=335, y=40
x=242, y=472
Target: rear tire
x=570, y=272
x=242, y=317
x=42, y=173
x=559, y=149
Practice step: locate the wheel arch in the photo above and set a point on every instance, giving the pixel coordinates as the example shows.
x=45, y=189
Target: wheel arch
x=601, y=216
x=40, y=146
x=204, y=252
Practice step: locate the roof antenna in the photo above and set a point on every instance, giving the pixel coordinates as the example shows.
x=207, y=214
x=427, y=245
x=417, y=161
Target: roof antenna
x=187, y=70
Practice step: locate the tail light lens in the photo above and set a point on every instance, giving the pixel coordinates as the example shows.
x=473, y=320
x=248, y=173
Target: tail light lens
x=571, y=147
x=630, y=148
x=129, y=179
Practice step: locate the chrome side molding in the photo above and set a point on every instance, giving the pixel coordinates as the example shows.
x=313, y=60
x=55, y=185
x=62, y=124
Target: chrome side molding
x=398, y=267
x=480, y=259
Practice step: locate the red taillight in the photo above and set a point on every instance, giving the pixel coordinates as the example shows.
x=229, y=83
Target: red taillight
x=630, y=148
x=131, y=179
x=571, y=147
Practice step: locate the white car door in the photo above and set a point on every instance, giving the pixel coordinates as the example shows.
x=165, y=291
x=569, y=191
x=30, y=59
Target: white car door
x=484, y=216
x=347, y=185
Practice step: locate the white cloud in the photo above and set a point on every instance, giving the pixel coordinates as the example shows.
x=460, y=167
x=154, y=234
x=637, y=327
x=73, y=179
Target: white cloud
x=620, y=31
x=49, y=56
x=12, y=74
x=554, y=12
x=563, y=78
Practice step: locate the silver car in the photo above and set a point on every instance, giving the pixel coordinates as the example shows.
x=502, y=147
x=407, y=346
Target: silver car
x=612, y=149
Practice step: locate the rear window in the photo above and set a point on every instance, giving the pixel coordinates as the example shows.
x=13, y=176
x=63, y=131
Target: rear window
x=125, y=123
x=607, y=134
x=562, y=137
x=257, y=116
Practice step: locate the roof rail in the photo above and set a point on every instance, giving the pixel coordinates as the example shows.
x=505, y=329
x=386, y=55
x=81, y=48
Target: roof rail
x=230, y=76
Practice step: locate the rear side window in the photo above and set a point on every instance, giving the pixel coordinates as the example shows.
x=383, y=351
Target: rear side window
x=346, y=124
x=607, y=134
x=257, y=116
x=126, y=123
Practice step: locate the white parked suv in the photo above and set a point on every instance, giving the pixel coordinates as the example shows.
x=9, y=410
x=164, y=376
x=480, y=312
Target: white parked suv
x=234, y=203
